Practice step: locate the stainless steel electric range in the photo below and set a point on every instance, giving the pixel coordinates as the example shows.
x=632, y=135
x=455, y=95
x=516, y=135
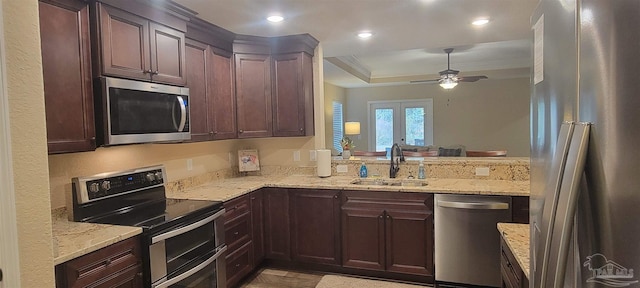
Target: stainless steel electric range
x=183, y=240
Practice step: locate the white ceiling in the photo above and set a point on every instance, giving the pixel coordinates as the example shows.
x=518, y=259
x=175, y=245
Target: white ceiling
x=409, y=35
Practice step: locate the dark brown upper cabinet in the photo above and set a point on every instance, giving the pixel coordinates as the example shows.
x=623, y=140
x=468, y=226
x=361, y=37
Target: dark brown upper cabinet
x=134, y=47
x=211, y=93
x=253, y=95
x=274, y=85
x=292, y=94
x=66, y=65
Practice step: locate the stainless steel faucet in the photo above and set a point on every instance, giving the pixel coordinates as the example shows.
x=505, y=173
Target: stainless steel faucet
x=395, y=165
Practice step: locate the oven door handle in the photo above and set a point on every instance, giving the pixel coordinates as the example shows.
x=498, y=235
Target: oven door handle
x=176, y=232
x=193, y=270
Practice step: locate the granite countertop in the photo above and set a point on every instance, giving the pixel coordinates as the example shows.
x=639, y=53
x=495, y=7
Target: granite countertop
x=517, y=238
x=228, y=189
x=73, y=239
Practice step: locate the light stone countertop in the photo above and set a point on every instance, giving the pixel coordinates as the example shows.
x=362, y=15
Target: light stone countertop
x=228, y=189
x=73, y=239
x=517, y=238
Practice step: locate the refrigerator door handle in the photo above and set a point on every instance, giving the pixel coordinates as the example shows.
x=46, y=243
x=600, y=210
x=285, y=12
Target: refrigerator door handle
x=567, y=203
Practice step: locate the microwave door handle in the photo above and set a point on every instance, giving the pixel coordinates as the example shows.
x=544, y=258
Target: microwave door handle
x=183, y=113
x=193, y=270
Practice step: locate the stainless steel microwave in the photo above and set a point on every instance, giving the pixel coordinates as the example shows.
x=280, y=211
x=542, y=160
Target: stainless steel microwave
x=141, y=112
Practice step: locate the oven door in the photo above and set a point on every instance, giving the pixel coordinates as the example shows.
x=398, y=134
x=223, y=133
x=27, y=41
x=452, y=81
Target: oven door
x=204, y=275
x=193, y=250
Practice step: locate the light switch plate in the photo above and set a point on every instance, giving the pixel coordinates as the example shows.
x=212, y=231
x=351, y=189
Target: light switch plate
x=342, y=168
x=482, y=171
x=189, y=164
x=296, y=155
x=312, y=155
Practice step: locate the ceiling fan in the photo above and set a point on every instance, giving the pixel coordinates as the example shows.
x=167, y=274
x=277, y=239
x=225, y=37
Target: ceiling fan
x=449, y=78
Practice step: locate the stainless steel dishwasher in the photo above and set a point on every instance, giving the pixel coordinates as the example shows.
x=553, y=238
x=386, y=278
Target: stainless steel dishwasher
x=467, y=242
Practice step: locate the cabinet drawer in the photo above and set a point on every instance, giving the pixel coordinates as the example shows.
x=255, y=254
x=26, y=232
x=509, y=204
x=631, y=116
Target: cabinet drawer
x=236, y=207
x=239, y=264
x=238, y=231
x=106, y=263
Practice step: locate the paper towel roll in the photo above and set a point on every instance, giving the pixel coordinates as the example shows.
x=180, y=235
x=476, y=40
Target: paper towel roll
x=324, y=163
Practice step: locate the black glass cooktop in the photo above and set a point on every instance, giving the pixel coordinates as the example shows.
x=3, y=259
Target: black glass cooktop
x=160, y=214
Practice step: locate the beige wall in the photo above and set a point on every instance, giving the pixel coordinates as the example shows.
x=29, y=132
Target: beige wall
x=206, y=157
x=332, y=94
x=485, y=115
x=28, y=142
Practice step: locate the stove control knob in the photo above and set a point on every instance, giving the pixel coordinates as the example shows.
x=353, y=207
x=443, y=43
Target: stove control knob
x=158, y=175
x=150, y=177
x=106, y=185
x=94, y=187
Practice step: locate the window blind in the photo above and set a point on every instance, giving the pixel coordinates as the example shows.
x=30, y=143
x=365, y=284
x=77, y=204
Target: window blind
x=338, y=132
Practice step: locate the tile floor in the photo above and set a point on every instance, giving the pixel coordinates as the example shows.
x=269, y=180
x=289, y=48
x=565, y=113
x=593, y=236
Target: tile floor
x=276, y=278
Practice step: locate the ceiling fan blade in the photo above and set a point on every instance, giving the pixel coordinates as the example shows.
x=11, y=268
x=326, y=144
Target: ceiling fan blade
x=425, y=81
x=472, y=78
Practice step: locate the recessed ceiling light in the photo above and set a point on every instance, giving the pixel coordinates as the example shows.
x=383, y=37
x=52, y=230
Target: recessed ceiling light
x=365, y=34
x=480, y=22
x=275, y=18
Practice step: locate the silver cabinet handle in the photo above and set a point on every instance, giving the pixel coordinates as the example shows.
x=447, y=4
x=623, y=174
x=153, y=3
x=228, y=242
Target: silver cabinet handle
x=474, y=205
x=173, y=233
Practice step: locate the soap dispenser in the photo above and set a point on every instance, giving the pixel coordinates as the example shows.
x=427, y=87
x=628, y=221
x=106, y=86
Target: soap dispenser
x=363, y=170
x=421, y=171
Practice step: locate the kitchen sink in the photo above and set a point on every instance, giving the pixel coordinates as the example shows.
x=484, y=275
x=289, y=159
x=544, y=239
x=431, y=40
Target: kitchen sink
x=390, y=182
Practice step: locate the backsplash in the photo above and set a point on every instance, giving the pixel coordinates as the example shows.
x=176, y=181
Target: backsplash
x=508, y=168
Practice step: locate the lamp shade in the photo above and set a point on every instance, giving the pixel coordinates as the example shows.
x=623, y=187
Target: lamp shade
x=351, y=128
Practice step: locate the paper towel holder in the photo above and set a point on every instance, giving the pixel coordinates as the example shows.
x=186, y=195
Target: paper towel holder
x=323, y=166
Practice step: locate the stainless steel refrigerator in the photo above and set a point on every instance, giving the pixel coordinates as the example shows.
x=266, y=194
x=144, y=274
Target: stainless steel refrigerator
x=585, y=179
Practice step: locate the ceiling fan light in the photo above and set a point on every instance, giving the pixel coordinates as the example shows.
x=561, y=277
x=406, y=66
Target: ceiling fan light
x=448, y=83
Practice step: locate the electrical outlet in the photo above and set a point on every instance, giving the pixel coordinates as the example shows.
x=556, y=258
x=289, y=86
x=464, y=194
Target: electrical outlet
x=312, y=155
x=296, y=155
x=230, y=158
x=342, y=168
x=189, y=164
x=482, y=171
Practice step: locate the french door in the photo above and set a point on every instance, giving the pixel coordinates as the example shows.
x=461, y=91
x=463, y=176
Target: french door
x=404, y=122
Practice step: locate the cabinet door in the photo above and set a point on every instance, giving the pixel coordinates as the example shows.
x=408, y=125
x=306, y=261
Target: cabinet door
x=257, y=222
x=223, y=99
x=66, y=65
x=167, y=54
x=288, y=95
x=124, y=44
x=363, y=238
x=117, y=265
x=197, y=56
x=276, y=224
x=315, y=226
x=253, y=95
x=409, y=241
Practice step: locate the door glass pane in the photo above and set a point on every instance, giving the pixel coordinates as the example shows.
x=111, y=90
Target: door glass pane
x=384, y=128
x=414, y=126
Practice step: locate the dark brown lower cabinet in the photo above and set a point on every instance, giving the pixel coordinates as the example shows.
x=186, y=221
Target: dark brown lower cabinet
x=512, y=274
x=315, y=226
x=390, y=232
x=520, y=211
x=238, y=237
x=118, y=265
x=257, y=224
x=276, y=224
